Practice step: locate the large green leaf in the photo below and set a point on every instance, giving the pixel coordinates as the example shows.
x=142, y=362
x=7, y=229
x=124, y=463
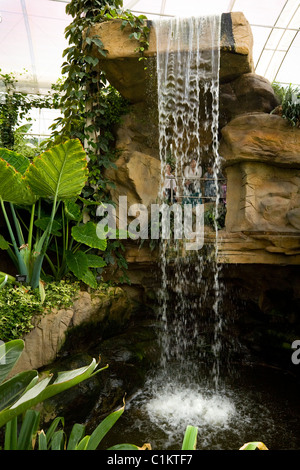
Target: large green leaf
x=77, y=262
x=11, y=390
x=60, y=172
x=102, y=429
x=80, y=262
x=73, y=211
x=44, y=389
x=95, y=261
x=76, y=436
x=87, y=235
x=18, y=161
x=13, y=188
x=9, y=355
x=89, y=278
x=44, y=223
x=3, y=243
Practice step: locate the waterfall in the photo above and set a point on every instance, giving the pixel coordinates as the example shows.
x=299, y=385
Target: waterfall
x=188, y=57
x=185, y=388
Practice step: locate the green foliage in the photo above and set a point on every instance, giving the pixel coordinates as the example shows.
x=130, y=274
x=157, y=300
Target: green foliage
x=57, y=177
x=25, y=390
x=190, y=438
x=90, y=106
x=14, y=106
x=289, y=98
x=210, y=216
x=28, y=437
x=19, y=304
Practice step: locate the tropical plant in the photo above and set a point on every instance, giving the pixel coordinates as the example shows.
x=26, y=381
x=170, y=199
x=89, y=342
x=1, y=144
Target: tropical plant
x=15, y=106
x=29, y=437
x=289, y=98
x=56, y=177
x=20, y=393
x=26, y=389
x=19, y=305
x=190, y=438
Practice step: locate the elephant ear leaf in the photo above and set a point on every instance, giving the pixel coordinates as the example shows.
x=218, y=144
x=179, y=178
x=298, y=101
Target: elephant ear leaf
x=18, y=161
x=60, y=172
x=87, y=234
x=13, y=188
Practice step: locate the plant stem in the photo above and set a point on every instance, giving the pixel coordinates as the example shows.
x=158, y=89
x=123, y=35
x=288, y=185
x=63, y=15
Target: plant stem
x=21, y=265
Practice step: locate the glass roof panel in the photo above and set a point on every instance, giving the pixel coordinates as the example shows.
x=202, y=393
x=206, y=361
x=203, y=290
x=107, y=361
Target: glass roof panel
x=32, y=34
x=260, y=12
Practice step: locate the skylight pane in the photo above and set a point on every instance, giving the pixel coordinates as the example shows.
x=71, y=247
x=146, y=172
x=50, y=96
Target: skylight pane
x=295, y=22
x=260, y=36
x=262, y=12
x=286, y=39
x=261, y=67
x=287, y=13
x=274, y=39
x=290, y=69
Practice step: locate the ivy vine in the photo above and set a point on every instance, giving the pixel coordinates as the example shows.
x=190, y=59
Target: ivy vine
x=89, y=105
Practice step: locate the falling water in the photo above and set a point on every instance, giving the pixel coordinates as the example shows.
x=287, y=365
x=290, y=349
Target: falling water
x=188, y=90
x=188, y=56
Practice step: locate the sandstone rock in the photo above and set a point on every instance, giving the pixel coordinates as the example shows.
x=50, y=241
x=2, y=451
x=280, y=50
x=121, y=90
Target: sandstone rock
x=260, y=196
x=263, y=138
x=293, y=217
x=44, y=342
x=248, y=93
x=126, y=73
x=137, y=173
x=137, y=178
x=262, y=164
x=241, y=248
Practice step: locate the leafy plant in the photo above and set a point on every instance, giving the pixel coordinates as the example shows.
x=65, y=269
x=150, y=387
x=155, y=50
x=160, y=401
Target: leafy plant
x=25, y=390
x=56, y=176
x=19, y=394
x=19, y=304
x=14, y=106
x=90, y=106
x=289, y=98
x=29, y=437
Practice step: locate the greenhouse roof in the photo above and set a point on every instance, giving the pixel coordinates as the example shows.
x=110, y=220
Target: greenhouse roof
x=32, y=35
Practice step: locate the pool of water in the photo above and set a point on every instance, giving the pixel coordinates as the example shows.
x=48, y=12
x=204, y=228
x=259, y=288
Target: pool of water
x=252, y=404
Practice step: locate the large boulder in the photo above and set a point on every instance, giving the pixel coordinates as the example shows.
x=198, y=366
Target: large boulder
x=260, y=137
x=262, y=163
x=249, y=93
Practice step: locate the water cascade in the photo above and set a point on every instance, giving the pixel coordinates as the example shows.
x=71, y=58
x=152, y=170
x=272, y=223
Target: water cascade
x=196, y=382
x=186, y=389
x=188, y=57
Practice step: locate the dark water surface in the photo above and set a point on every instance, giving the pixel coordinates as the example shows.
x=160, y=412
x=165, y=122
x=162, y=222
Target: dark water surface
x=255, y=403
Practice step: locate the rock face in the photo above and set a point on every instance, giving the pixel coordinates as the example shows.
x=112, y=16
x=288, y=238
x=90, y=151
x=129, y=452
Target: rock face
x=43, y=343
x=262, y=165
x=126, y=73
x=259, y=150
x=249, y=93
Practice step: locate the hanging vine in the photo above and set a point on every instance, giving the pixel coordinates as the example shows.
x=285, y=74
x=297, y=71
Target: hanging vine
x=90, y=107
